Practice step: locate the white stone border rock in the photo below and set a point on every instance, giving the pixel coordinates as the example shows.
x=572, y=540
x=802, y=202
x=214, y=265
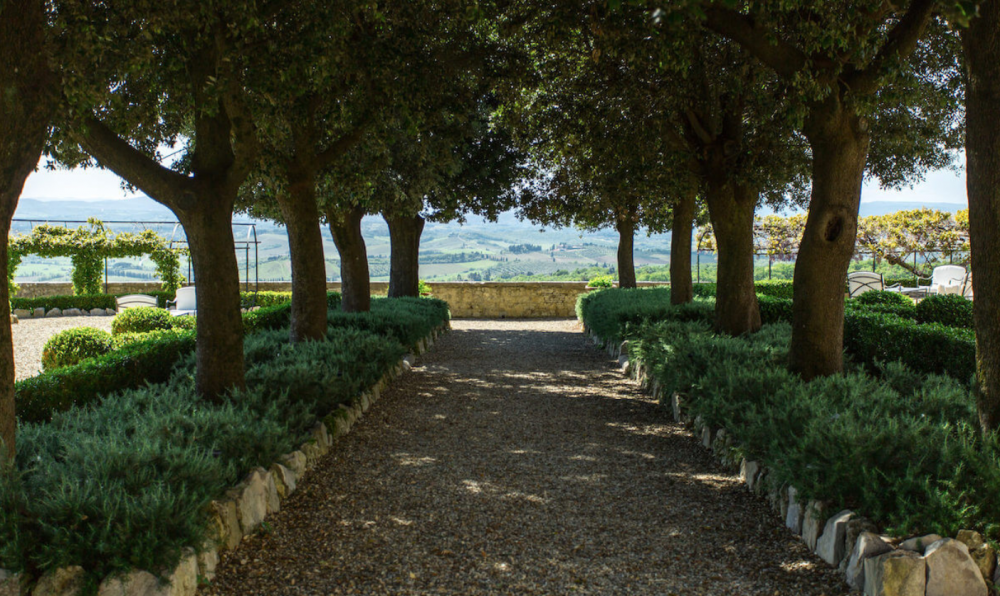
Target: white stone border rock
x=234, y=516
x=876, y=564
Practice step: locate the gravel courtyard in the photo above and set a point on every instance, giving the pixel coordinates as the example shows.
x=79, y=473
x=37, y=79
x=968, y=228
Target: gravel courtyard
x=515, y=459
x=31, y=334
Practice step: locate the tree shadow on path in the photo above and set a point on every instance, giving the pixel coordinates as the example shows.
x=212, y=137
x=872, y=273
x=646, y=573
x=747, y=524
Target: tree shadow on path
x=515, y=459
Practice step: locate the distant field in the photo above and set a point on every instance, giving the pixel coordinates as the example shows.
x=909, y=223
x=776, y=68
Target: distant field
x=476, y=250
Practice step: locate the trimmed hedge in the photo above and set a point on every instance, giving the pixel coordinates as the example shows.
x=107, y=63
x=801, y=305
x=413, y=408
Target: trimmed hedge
x=883, y=298
x=86, y=302
x=608, y=313
x=73, y=345
x=137, y=359
x=107, y=301
x=141, y=319
x=855, y=441
x=949, y=309
x=262, y=299
x=405, y=319
x=779, y=288
x=884, y=331
x=150, y=360
x=872, y=338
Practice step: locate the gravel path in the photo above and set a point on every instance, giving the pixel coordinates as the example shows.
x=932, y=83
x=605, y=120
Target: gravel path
x=30, y=336
x=515, y=459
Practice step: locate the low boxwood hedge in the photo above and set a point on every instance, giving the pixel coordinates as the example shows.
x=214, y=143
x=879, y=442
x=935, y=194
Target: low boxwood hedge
x=406, y=319
x=86, y=302
x=141, y=319
x=150, y=360
x=950, y=310
x=885, y=330
x=73, y=345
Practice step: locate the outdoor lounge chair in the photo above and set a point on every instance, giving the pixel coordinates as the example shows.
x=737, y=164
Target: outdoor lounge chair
x=184, y=303
x=946, y=279
x=859, y=282
x=134, y=300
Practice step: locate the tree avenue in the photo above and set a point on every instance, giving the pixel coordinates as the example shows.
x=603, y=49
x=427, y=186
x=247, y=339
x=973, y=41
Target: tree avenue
x=596, y=114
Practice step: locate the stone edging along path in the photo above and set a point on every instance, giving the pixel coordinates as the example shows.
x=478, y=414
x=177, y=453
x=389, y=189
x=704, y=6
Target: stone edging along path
x=240, y=512
x=876, y=564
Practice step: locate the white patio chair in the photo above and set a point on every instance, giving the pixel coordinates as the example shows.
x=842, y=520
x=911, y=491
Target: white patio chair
x=859, y=282
x=946, y=279
x=134, y=300
x=185, y=302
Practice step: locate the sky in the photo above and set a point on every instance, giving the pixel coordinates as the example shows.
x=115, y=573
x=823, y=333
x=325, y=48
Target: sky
x=943, y=186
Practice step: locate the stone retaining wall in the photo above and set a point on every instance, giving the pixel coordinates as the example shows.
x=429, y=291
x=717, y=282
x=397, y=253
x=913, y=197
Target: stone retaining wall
x=483, y=300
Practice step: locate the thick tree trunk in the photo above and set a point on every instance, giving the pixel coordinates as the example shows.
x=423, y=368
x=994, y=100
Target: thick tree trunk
x=8, y=420
x=731, y=209
x=981, y=42
x=26, y=105
x=355, y=281
x=839, y=141
x=404, y=263
x=305, y=246
x=681, y=287
x=219, y=352
x=626, y=260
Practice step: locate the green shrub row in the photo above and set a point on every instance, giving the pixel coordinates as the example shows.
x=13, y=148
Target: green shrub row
x=902, y=448
x=126, y=483
x=149, y=360
x=608, y=313
x=881, y=328
x=252, y=299
x=106, y=301
x=407, y=320
x=780, y=288
x=949, y=310
x=84, y=302
x=881, y=332
x=141, y=357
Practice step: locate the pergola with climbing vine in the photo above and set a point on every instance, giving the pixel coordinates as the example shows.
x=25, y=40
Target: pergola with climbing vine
x=87, y=246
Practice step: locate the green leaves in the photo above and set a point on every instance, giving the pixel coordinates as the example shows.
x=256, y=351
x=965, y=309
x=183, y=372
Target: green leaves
x=88, y=246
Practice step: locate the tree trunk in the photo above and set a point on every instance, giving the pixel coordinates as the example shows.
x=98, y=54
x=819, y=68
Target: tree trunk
x=839, y=142
x=981, y=42
x=731, y=209
x=355, y=281
x=681, y=287
x=404, y=263
x=219, y=352
x=626, y=261
x=26, y=105
x=305, y=246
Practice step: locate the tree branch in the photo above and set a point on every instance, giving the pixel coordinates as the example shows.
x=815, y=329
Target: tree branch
x=900, y=43
x=341, y=146
x=783, y=57
x=138, y=169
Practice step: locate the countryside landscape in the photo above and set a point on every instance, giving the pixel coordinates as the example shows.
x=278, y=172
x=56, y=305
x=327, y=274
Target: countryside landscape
x=510, y=249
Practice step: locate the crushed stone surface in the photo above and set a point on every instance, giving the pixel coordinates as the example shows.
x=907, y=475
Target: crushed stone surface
x=30, y=335
x=516, y=459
